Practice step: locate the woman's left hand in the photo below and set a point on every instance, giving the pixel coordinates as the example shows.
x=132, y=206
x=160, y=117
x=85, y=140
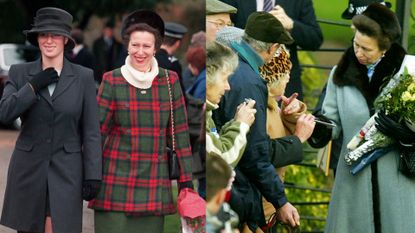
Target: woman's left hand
x=291, y=104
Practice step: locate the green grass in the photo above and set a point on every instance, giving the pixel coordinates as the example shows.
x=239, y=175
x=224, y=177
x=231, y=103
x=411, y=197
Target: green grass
x=332, y=10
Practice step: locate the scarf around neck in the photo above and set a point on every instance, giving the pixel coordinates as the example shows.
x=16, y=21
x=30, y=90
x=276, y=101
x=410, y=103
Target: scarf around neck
x=138, y=79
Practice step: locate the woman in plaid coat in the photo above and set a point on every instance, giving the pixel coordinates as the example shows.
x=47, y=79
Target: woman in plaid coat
x=135, y=121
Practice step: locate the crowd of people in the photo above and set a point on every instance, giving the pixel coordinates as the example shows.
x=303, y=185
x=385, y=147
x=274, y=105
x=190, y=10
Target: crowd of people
x=232, y=120
x=265, y=35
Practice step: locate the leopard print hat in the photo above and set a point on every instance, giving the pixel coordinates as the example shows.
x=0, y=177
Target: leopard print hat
x=279, y=65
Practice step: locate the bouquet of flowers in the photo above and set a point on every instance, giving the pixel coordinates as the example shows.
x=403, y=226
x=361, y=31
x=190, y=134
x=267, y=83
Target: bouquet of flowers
x=395, y=105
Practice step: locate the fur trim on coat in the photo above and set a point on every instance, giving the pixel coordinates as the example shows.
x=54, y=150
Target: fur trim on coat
x=350, y=72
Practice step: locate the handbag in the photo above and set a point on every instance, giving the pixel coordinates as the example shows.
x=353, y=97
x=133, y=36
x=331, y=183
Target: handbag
x=407, y=160
x=172, y=159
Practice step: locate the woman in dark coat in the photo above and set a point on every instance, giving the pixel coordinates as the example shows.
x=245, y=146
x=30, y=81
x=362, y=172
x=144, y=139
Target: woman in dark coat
x=136, y=126
x=57, y=159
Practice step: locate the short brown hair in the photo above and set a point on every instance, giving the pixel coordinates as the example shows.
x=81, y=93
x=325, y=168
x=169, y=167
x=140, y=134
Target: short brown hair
x=219, y=173
x=142, y=27
x=380, y=23
x=196, y=56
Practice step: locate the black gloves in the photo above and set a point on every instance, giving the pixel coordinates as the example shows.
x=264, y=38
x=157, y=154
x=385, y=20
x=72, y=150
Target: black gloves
x=44, y=78
x=187, y=184
x=90, y=189
x=390, y=126
x=321, y=133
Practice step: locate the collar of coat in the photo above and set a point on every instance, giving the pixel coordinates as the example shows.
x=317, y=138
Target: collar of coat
x=66, y=77
x=350, y=72
x=248, y=54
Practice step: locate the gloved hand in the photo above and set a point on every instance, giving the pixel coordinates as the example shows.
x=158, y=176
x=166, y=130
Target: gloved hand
x=321, y=134
x=44, y=78
x=90, y=189
x=391, y=127
x=187, y=184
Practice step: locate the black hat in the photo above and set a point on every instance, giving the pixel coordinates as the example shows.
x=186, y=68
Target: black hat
x=265, y=27
x=51, y=20
x=174, y=30
x=148, y=17
x=356, y=7
x=386, y=19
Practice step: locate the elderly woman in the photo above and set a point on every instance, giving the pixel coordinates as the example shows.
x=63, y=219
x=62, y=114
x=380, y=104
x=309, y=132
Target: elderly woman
x=290, y=122
x=379, y=198
x=230, y=141
x=57, y=159
x=135, y=103
x=291, y=118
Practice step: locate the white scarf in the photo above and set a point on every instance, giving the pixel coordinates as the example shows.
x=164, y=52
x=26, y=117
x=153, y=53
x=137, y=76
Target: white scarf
x=138, y=79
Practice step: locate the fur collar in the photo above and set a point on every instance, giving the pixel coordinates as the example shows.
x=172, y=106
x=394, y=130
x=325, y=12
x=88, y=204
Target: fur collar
x=350, y=72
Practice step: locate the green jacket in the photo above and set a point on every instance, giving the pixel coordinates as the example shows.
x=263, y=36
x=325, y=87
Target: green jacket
x=230, y=142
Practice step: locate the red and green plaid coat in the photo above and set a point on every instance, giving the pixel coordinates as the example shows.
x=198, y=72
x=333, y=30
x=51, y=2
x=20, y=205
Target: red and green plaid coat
x=135, y=127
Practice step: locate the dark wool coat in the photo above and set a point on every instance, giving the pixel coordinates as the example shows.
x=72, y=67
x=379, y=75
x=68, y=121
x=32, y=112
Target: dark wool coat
x=58, y=147
x=255, y=175
x=135, y=126
x=379, y=195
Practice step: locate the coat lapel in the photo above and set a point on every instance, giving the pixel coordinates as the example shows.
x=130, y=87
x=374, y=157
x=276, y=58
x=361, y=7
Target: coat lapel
x=36, y=68
x=66, y=78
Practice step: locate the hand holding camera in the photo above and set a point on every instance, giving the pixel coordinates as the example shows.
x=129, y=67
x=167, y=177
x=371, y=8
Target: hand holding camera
x=246, y=112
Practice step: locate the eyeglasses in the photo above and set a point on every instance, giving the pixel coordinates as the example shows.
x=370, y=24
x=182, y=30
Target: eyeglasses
x=220, y=24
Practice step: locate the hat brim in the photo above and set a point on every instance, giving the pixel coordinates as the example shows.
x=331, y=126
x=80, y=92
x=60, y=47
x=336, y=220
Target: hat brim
x=148, y=17
x=285, y=38
x=347, y=15
x=31, y=36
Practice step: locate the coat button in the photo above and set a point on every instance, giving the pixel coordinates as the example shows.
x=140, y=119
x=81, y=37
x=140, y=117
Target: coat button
x=48, y=140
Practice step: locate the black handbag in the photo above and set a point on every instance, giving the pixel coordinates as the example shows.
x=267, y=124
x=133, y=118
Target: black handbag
x=407, y=160
x=173, y=160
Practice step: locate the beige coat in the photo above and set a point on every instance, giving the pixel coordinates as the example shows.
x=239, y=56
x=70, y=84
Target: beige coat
x=278, y=125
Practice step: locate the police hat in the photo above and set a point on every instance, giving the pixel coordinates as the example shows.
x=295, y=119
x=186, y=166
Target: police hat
x=356, y=7
x=174, y=30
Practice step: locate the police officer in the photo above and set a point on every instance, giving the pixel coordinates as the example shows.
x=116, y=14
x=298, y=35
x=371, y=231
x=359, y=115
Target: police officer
x=173, y=35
